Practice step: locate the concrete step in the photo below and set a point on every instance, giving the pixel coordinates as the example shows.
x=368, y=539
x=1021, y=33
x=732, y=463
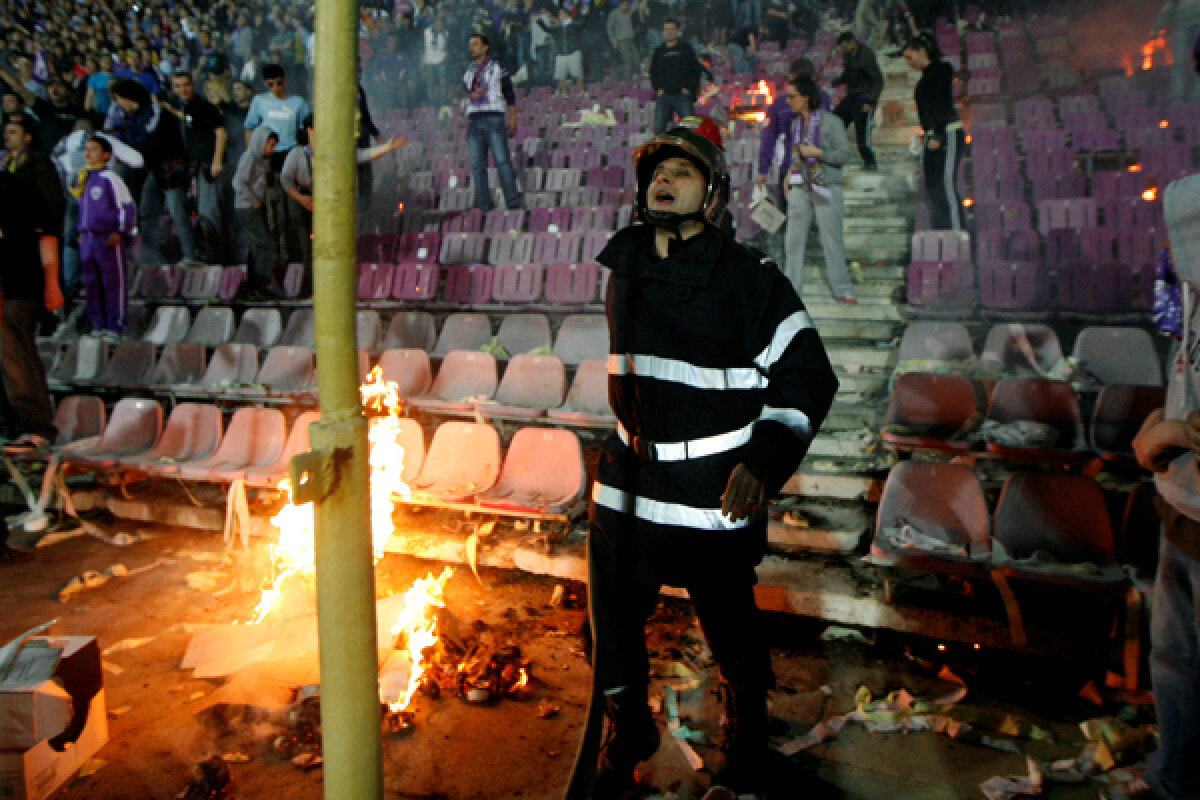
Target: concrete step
x=884, y=223
x=849, y=417
x=863, y=384
x=885, y=330
x=843, y=444
x=867, y=308
x=888, y=243
x=868, y=355
x=799, y=525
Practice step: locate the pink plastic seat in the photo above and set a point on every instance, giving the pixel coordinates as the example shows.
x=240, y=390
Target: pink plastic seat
x=926, y=410
x=593, y=243
x=232, y=364
x=232, y=279
x=523, y=333
x=415, y=280
x=543, y=471
x=180, y=362
x=423, y=246
x=468, y=221
x=570, y=283
x=585, y=219
x=582, y=337
x=501, y=221
x=301, y=329
x=941, y=246
x=517, y=283
x=587, y=399
x=409, y=369
x=254, y=439
x=133, y=428
x=78, y=417
x=549, y=248
x=415, y=329
x=464, y=378
x=462, y=460
x=287, y=370
x=553, y=220
x=192, y=433
x=944, y=501
x=130, y=365
x=1061, y=516
x=270, y=475
x=159, y=282
x=511, y=248
x=469, y=284
x=531, y=385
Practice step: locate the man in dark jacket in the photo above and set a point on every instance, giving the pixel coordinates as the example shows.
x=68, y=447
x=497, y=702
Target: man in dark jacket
x=864, y=83
x=206, y=138
x=675, y=75
x=719, y=382
x=22, y=157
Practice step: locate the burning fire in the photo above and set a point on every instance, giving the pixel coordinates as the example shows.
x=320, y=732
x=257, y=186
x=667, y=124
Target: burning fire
x=293, y=554
x=765, y=90
x=1150, y=195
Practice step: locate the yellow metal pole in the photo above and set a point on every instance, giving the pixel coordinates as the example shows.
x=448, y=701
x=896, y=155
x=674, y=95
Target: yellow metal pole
x=350, y=711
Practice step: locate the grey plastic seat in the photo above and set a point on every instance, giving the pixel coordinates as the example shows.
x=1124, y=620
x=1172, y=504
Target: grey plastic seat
x=531, y=385
x=260, y=327
x=408, y=329
x=409, y=369
x=463, y=331
x=465, y=377
x=369, y=329
x=192, y=433
x=130, y=365
x=543, y=471
x=462, y=460
x=582, y=337
x=212, y=326
x=935, y=341
x=1118, y=355
x=523, y=333
x=232, y=364
x=285, y=370
x=78, y=416
x=253, y=440
x=134, y=427
x=301, y=329
x=169, y=324
x=82, y=362
x=179, y=362
x=587, y=399
x=270, y=475
x=1022, y=349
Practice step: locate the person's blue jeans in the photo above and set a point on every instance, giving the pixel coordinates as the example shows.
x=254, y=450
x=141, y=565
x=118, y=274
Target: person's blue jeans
x=668, y=105
x=487, y=132
x=1174, y=769
x=743, y=64
x=150, y=210
x=72, y=265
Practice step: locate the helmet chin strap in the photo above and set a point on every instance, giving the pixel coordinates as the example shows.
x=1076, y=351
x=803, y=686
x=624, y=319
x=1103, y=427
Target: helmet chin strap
x=673, y=221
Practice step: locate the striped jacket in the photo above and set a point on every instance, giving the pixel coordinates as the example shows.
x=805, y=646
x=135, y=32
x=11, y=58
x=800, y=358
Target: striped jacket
x=714, y=362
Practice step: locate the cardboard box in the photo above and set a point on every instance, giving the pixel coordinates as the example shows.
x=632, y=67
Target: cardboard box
x=44, y=741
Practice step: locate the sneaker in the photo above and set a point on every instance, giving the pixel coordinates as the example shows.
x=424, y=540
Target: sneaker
x=848, y=299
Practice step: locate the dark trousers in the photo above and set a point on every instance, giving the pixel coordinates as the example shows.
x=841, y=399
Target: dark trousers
x=851, y=112
x=252, y=231
x=940, y=167
x=670, y=104
x=728, y=614
x=28, y=407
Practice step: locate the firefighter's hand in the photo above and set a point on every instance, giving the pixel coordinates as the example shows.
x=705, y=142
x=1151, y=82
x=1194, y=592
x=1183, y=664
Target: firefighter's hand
x=113, y=241
x=744, y=496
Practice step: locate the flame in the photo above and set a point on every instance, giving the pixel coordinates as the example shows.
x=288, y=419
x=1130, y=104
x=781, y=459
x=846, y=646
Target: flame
x=1135, y=167
x=1164, y=123
x=1150, y=195
x=968, y=202
x=968, y=139
x=293, y=554
x=416, y=628
x=765, y=90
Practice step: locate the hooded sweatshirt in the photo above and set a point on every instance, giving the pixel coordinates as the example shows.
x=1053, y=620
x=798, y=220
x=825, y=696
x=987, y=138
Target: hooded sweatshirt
x=250, y=180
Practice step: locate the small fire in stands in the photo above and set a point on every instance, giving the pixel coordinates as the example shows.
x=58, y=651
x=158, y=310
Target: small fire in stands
x=1150, y=195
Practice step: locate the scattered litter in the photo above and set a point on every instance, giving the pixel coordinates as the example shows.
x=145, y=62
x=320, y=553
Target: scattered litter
x=557, y=597
x=203, y=581
x=111, y=667
x=196, y=696
x=796, y=519
x=210, y=781
x=1002, y=788
x=91, y=767
x=126, y=644
x=546, y=709
x=90, y=579
x=235, y=758
x=307, y=760
x=837, y=633
x=907, y=538
x=120, y=710
x=478, y=695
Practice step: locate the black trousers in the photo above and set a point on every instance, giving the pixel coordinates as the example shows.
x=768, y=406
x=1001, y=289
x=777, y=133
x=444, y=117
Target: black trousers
x=726, y=609
x=27, y=405
x=850, y=110
x=940, y=168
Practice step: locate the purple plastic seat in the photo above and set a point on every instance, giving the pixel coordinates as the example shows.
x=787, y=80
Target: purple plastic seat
x=200, y=283
x=956, y=514
x=560, y=178
x=554, y=219
x=468, y=221
x=501, y=220
x=414, y=280
x=1012, y=286
x=1088, y=288
x=606, y=177
x=425, y=246
x=992, y=217
x=941, y=284
x=458, y=199
x=377, y=246
x=586, y=195
x=941, y=246
x=593, y=243
x=585, y=219
x=570, y=283
x=549, y=248
x=159, y=282
x=232, y=279
x=517, y=283
x=462, y=248
x=375, y=281
x=469, y=284
x=1073, y=213
x=512, y=248
x=1101, y=138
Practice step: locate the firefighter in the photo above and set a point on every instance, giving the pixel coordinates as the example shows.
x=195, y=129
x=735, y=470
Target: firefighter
x=719, y=382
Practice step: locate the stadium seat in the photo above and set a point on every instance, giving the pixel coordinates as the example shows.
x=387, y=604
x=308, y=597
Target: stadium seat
x=77, y=417
x=374, y=281
x=581, y=337
x=192, y=433
x=935, y=341
x=286, y=371
x=269, y=476
x=133, y=427
x=368, y=329
x=552, y=220
x=464, y=377
x=1049, y=402
x=1118, y=415
x=524, y=333
x=927, y=410
x=549, y=248
x=261, y=327
x=200, y=283
x=543, y=471
x=410, y=329
x=943, y=501
x=232, y=364
x=212, y=326
x=232, y=279
x=517, y=283
x=587, y=399
x=179, y=362
x=593, y=243
x=462, y=460
x=409, y=369
x=415, y=280
x=169, y=324
x=501, y=221
x=130, y=365
x=1114, y=354
x=81, y=362
x=942, y=285
x=463, y=331
x=301, y=330
x=253, y=440
x=159, y=282
x=1013, y=286
x=425, y=246
x=1021, y=349
x=511, y=248
x=1091, y=290
x=469, y=284
x=532, y=384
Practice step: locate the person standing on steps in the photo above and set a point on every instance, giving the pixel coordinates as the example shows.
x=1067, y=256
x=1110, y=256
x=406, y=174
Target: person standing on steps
x=864, y=83
x=942, y=132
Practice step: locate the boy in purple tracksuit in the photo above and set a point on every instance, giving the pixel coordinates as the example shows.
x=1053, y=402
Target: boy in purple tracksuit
x=107, y=217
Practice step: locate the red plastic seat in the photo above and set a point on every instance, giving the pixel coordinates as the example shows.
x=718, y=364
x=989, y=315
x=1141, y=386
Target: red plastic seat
x=925, y=411
x=375, y=281
x=469, y=284
x=1118, y=415
x=415, y=280
x=571, y=283
x=1041, y=400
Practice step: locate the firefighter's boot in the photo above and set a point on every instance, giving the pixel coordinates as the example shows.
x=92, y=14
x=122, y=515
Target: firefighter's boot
x=632, y=737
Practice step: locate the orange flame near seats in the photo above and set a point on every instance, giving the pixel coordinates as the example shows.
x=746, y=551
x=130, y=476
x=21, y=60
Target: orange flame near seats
x=1150, y=195
x=293, y=554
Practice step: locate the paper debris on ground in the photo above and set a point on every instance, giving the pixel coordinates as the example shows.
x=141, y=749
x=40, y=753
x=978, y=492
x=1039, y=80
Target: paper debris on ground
x=1005, y=788
x=126, y=644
